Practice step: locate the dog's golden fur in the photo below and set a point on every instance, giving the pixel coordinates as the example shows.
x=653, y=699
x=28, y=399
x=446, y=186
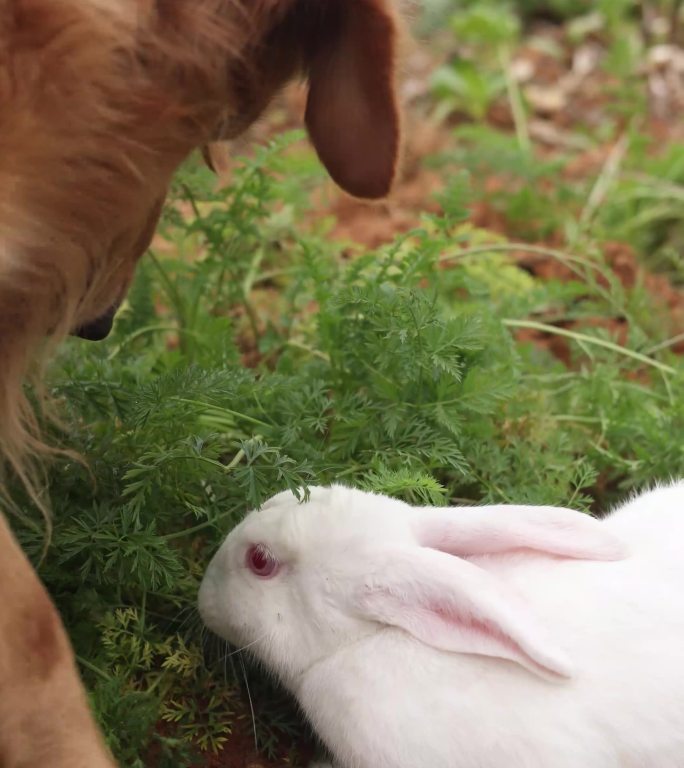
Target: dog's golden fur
x=100, y=101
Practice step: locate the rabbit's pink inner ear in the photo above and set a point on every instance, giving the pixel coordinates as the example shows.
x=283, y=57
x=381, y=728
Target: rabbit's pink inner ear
x=453, y=605
x=440, y=626
x=487, y=639
x=352, y=112
x=470, y=531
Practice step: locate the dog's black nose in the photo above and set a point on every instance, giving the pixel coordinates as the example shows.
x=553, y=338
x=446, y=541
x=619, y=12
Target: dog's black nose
x=98, y=329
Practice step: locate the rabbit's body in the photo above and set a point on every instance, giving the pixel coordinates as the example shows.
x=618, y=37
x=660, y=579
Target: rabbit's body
x=388, y=699
x=479, y=712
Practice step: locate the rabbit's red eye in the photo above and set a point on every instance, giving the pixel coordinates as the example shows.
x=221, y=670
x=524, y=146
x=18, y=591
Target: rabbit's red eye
x=260, y=561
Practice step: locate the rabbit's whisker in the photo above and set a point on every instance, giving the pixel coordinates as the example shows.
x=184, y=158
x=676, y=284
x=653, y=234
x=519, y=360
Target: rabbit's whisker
x=251, y=706
x=244, y=647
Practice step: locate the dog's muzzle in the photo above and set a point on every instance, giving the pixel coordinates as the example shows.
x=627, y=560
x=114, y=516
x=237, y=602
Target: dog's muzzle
x=98, y=329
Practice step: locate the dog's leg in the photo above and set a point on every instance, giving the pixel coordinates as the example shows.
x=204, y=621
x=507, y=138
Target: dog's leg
x=45, y=719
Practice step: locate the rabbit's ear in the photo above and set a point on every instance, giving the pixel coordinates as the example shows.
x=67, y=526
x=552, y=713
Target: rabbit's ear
x=467, y=531
x=352, y=112
x=453, y=605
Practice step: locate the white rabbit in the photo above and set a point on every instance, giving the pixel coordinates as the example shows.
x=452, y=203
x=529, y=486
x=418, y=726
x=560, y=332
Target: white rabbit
x=466, y=637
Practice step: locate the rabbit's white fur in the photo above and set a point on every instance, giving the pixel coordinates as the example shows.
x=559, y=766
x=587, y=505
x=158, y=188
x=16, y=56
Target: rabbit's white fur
x=467, y=638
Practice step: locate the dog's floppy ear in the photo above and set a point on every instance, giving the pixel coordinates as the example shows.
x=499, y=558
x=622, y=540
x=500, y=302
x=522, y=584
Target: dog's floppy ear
x=352, y=113
x=347, y=50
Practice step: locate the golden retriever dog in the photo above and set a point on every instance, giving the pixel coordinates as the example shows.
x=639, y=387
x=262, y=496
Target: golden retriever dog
x=100, y=101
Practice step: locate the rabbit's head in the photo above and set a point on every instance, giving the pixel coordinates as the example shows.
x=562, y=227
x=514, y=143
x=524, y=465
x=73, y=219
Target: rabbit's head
x=296, y=582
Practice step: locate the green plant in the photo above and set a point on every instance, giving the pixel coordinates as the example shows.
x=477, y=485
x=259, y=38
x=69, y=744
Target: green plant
x=485, y=33
x=525, y=188
x=644, y=208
